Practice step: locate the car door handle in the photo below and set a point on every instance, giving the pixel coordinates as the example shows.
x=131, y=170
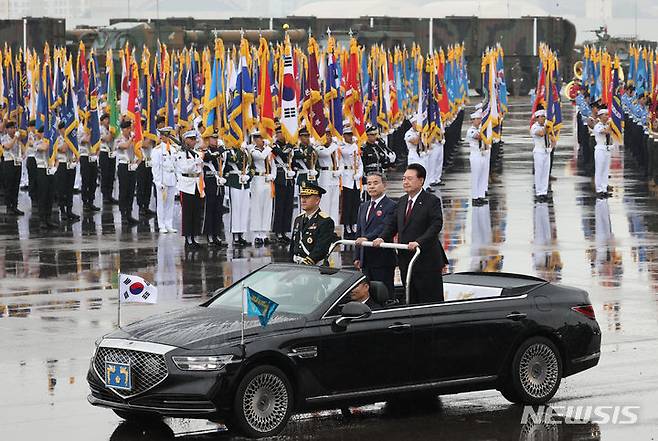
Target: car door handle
x=516, y=315
x=400, y=327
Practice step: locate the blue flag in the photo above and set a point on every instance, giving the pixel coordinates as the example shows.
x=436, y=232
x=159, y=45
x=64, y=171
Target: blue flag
x=259, y=306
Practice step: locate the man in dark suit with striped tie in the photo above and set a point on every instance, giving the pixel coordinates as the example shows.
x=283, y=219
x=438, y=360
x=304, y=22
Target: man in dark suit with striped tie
x=377, y=264
x=417, y=222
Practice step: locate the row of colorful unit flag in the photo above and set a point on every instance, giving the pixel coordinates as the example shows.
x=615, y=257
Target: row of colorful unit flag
x=494, y=92
x=547, y=92
x=234, y=90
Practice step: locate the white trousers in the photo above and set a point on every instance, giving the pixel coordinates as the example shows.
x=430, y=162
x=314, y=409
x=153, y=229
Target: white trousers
x=542, y=168
x=331, y=199
x=601, y=168
x=478, y=175
x=239, y=210
x=487, y=166
x=435, y=164
x=260, y=207
x=165, y=206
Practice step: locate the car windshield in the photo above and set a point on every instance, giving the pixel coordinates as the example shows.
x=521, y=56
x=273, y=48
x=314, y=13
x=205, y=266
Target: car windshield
x=296, y=290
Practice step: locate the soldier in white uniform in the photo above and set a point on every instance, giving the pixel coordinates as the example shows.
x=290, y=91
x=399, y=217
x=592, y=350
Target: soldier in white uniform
x=351, y=180
x=477, y=160
x=329, y=175
x=31, y=163
x=127, y=165
x=12, y=167
x=542, y=155
x=435, y=161
x=189, y=167
x=602, y=155
x=107, y=160
x=163, y=160
x=264, y=173
x=236, y=171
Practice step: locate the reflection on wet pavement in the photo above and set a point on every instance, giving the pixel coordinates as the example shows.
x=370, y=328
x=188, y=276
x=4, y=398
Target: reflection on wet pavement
x=58, y=293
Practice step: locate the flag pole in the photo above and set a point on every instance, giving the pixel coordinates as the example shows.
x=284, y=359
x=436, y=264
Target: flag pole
x=119, y=299
x=242, y=318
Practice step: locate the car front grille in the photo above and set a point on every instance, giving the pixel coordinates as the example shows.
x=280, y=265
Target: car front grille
x=147, y=369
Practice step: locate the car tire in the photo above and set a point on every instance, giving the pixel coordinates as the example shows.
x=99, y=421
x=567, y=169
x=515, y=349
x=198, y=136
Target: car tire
x=263, y=403
x=138, y=417
x=536, y=372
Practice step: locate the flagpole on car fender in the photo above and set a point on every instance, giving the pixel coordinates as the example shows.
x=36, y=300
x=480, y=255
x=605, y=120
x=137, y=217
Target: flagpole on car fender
x=242, y=319
x=119, y=299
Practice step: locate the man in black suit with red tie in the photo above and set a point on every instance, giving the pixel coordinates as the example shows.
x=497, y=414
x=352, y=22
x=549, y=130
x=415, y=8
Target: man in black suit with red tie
x=417, y=222
x=377, y=264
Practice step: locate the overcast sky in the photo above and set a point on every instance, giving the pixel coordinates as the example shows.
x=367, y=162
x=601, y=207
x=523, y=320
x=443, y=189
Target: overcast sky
x=623, y=18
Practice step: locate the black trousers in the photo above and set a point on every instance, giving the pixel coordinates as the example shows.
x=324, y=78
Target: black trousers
x=426, y=286
x=283, y=205
x=11, y=177
x=107, y=167
x=382, y=274
x=144, y=185
x=46, y=195
x=192, y=211
x=213, y=224
x=32, y=181
x=351, y=201
x=89, y=174
x=64, y=180
x=127, y=180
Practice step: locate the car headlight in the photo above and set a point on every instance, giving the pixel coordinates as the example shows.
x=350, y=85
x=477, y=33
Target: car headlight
x=211, y=363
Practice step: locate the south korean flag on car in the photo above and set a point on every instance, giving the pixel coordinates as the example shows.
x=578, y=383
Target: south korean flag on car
x=134, y=289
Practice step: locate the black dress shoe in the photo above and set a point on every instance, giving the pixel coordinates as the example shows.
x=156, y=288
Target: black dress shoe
x=258, y=241
x=114, y=201
x=484, y=201
x=610, y=188
x=441, y=184
x=601, y=195
x=72, y=216
x=266, y=241
x=129, y=220
x=608, y=194
x=476, y=202
x=218, y=243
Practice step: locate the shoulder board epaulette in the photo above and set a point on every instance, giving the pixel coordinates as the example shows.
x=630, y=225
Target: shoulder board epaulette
x=323, y=215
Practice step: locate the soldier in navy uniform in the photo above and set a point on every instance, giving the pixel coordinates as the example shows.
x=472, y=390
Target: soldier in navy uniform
x=213, y=224
x=313, y=230
x=189, y=165
x=284, y=187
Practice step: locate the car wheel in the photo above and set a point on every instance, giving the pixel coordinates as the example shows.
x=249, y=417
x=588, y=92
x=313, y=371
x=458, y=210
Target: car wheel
x=263, y=402
x=138, y=417
x=536, y=372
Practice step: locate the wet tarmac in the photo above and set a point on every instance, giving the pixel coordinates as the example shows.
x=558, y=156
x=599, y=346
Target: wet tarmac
x=58, y=294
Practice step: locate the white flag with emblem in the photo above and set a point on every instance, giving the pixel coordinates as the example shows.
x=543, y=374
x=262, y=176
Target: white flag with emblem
x=134, y=289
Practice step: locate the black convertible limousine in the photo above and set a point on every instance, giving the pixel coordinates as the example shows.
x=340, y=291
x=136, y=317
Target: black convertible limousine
x=518, y=334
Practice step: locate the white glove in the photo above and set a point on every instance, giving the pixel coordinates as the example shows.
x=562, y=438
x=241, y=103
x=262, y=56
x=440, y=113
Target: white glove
x=268, y=178
x=312, y=172
x=290, y=174
x=337, y=174
x=221, y=181
x=244, y=179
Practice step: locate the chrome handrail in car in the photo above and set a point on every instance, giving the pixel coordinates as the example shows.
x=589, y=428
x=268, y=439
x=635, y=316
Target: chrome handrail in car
x=392, y=246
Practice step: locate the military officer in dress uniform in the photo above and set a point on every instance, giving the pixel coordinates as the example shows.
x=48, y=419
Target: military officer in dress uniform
x=189, y=166
x=542, y=155
x=351, y=182
x=264, y=173
x=46, y=181
x=88, y=170
x=304, y=158
x=236, y=171
x=12, y=166
x=163, y=160
x=284, y=186
x=329, y=175
x=65, y=175
x=211, y=153
x=477, y=160
x=31, y=163
x=313, y=230
x=144, y=176
x=107, y=160
x=602, y=155
x=125, y=148
x=371, y=153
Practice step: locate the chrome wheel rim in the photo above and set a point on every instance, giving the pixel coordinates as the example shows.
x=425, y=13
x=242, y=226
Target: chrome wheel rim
x=265, y=402
x=538, y=370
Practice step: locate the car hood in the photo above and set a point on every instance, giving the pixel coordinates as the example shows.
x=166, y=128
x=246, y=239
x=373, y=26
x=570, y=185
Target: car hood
x=201, y=327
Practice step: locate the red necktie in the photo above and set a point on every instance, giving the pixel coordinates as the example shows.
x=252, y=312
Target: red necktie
x=408, y=213
x=370, y=211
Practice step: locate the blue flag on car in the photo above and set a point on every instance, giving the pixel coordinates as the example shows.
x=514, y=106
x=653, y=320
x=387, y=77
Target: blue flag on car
x=259, y=306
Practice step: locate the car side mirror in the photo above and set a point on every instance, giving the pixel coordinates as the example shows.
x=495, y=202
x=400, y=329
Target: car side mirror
x=352, y=311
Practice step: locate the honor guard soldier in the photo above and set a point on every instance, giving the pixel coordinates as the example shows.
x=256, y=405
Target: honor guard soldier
x=125, y=148
x=12, y=167
x=313, y=230
x=264, y=173
x=284, y=186
x=31, y=163
x=602, y=155
x=541, y=155
x=236, y=172
x=189, y=166
x=163, y=160
x=351, y=182
x=88, y=169
x=144, y=176
x=304, y=158
x=211, y=153
x=107, y=160
x=46, y=180
x=329, y=175
x=65, y=175
x=371, y=153
x=477, y=160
